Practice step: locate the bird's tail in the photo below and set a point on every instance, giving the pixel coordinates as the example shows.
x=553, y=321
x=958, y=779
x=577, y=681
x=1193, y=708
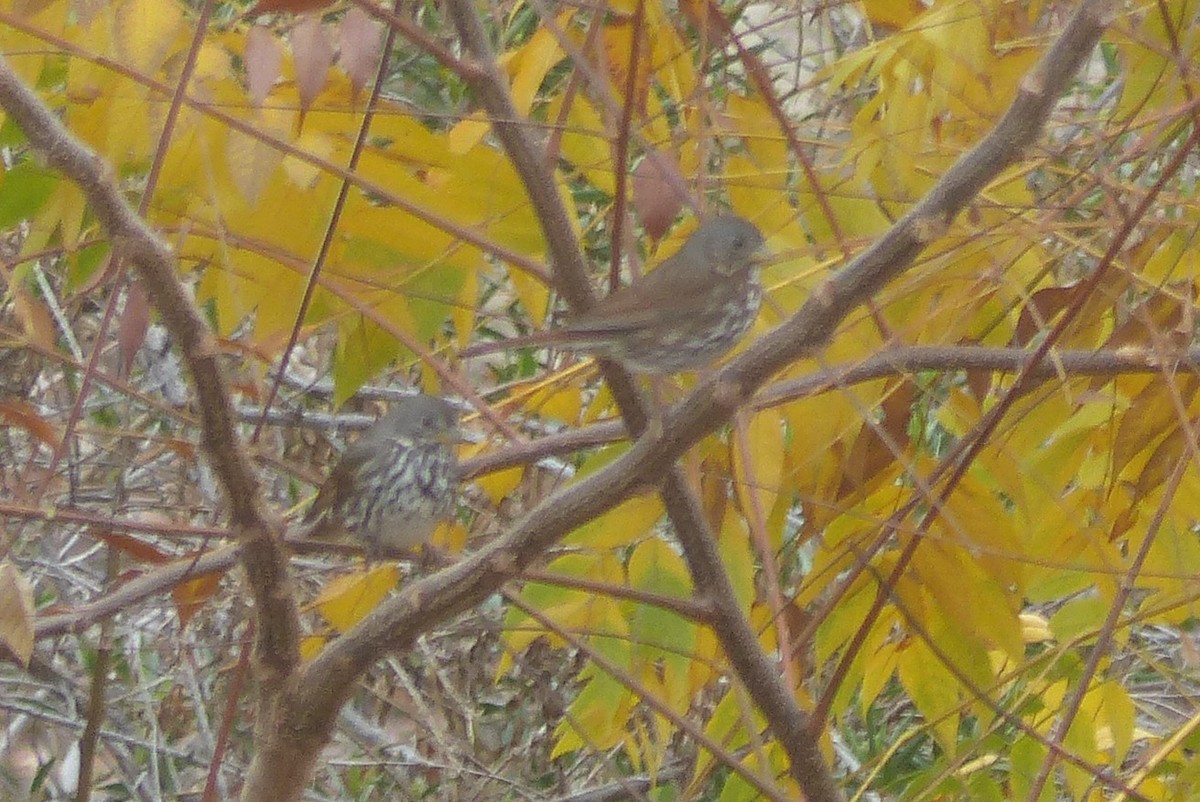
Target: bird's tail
x=576, y=341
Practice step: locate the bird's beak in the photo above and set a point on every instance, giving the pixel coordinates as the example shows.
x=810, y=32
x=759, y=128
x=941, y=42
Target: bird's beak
x=761, y=256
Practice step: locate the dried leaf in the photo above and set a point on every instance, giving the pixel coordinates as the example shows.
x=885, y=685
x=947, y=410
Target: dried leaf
x=140, y=550
x=263, y=59
x=16, y=613
x=361, y=41
x=131, y=330
x=35, y=318
x=657, y=198
x=313, y=56
x=24, y=415
x=252, y=163
x=292, y=6
x=190, y=596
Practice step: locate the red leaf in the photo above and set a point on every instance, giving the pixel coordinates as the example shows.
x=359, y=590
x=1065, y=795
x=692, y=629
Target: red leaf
x=657, y=192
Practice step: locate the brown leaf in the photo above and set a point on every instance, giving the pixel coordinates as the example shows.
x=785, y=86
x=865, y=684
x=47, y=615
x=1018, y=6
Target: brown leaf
x=131, y=331
x=263, y=60
x=35, y=318
x=293, y=6
x=1160, y=318
x=190, y=596
x=361, y=41
x=16, y=613
x=22, y=414
x=313, y=55
x=1039, y=314
x=706, y=18
x=876, y=446
x=140, y=550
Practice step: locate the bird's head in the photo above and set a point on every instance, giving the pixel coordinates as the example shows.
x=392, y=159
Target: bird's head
x=731, y=244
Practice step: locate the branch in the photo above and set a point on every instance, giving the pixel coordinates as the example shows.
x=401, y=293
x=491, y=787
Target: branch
x=889, y=363
x=156, y=267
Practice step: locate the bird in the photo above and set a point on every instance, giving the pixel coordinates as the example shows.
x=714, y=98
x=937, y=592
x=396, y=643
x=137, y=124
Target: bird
x=683, y=315
x=395, y=484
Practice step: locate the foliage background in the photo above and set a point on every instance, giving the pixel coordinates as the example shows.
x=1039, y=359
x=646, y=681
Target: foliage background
x=1021, y=629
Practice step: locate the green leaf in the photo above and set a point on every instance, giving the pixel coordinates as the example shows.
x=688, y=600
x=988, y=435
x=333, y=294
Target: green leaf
x=363, y=350
x=23, y=191
x=82, y=264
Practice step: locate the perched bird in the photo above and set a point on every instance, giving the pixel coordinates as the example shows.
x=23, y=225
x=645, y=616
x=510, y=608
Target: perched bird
x=683, y=315
x=394, y=485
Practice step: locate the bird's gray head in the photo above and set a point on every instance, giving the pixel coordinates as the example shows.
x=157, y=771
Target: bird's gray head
x=421, y=417
x=731, y=244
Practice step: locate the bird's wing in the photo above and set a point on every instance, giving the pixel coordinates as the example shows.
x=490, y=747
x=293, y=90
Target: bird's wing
x=663, y=295
x=340, y=479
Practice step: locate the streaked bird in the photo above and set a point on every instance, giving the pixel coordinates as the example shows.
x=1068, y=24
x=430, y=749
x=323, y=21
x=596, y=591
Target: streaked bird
x=395, y=484
x=683, y=315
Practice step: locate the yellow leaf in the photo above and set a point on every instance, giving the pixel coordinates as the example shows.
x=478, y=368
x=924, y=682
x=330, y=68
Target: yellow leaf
x=598, y=716
x=467, y=133
x=560, y=402
x=758, y=463
x=463, y=314
x=1081, y=617
x=1026, y=758
x=878, y=669
x=621, y=526
x=27, y=53
x=499, y=484
x=672, y=63
x=974, y=518
x=1118, y=713
x=663, y=642
x=1151, y=415
x=737, y=555
x=533, y=294
x=146, y=32
x=303, y=173
x=311, y=646
x=839, y=627
x=752, y=120
x=363, y=349
x=348, y=599
x=1035, y=628
x=529, y=65
x=252, y=163
x=573, y=610
x=893, y=13
x=586, y=142
x=451, y=537
x=1173, y=561
x=973, y=602
x=933, y=689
